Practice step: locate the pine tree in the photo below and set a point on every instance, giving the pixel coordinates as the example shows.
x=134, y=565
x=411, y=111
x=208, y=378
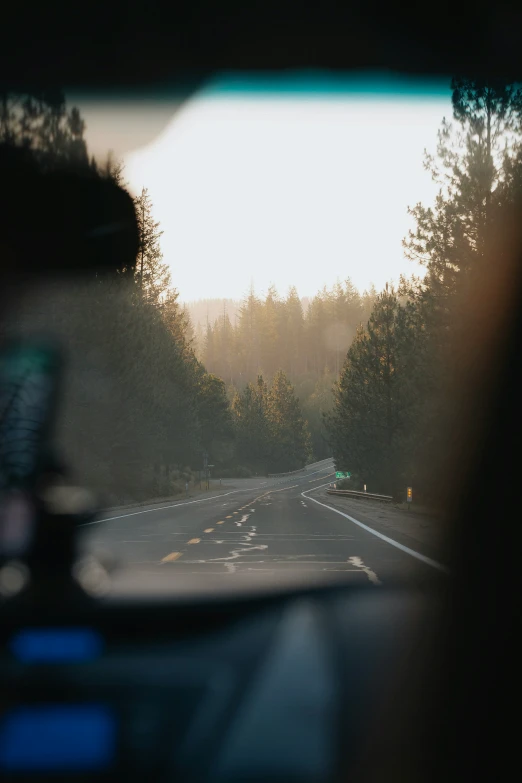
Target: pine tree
x=152, y=275
x=113, y=169
x=368, y=300
x=365, y=423
x=215, y=417
x=315, y=407
x=291, y=445
x=253, y=436
x=248, y=338
x=470, y=167
x=478, y=167
x=199, y=341
x=209, y=353
x=293, y=333
x=315, y=330
x=39, y=120
x=269, y=332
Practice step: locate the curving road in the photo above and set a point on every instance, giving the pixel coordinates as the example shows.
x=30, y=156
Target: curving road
x=266, y=531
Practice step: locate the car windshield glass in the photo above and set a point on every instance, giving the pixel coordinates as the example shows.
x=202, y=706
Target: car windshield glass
x=264, y=395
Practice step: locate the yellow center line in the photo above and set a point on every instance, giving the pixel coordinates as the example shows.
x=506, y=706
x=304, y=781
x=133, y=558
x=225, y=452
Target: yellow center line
x=229, y=516
x=271, y=492
x=194, y=541
x=209, y=530
x=221, y=523
x=235, y=512
x=173, y=556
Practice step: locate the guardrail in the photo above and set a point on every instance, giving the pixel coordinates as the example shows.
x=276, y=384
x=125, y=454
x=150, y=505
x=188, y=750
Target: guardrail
x=352, y=493
x=290, y=473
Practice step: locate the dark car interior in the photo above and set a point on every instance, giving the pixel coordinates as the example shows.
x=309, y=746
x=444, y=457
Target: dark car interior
x=310, y=683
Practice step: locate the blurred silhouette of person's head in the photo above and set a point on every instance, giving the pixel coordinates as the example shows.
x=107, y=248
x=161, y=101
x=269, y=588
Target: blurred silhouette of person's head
x=59, y=218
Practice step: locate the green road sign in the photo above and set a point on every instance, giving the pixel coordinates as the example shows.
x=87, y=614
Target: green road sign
x=340, y=475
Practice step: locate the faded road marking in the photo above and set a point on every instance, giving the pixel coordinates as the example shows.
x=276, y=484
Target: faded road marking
x=209, y=530
x=173, y=556
x=243, y=519
x=221, y=523
x=194, y=541
x=234, y=555
x=358, y=563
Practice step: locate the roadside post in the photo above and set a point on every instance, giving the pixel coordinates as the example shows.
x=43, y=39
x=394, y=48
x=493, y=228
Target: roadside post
x=409, y=496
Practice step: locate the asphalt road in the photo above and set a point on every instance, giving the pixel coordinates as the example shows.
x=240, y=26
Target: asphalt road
x=252, y=531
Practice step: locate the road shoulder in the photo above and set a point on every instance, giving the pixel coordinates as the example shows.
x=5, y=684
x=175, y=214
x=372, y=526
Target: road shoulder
x=422, y=534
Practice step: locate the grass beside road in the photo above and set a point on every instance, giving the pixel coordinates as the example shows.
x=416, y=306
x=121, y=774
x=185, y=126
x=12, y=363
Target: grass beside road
x=421, y=524
x=426, y=511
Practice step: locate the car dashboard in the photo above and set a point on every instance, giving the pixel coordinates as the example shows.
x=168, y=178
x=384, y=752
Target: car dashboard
x=281, y=687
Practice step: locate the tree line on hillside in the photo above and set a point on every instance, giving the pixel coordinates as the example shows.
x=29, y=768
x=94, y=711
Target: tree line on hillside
x=392, y=404
x=205, y=311
x=272, y=435
x=274, y=333
x=40, y=121
x=139, y=409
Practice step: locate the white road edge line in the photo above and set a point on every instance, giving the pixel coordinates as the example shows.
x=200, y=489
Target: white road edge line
x=411, y=552
x=162, y=508
x=175, y=505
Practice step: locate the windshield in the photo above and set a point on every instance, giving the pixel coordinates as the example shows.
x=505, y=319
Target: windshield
x=265, y=394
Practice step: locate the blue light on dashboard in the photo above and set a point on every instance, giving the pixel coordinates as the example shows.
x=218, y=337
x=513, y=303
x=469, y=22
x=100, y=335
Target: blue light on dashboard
x=80, y=737
x=56, y=645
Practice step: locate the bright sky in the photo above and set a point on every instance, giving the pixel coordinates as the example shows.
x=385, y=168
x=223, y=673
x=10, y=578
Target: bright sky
x=288, y=189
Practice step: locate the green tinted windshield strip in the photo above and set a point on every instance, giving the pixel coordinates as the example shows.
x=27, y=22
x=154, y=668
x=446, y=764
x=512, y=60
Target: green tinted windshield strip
x=317, y=84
